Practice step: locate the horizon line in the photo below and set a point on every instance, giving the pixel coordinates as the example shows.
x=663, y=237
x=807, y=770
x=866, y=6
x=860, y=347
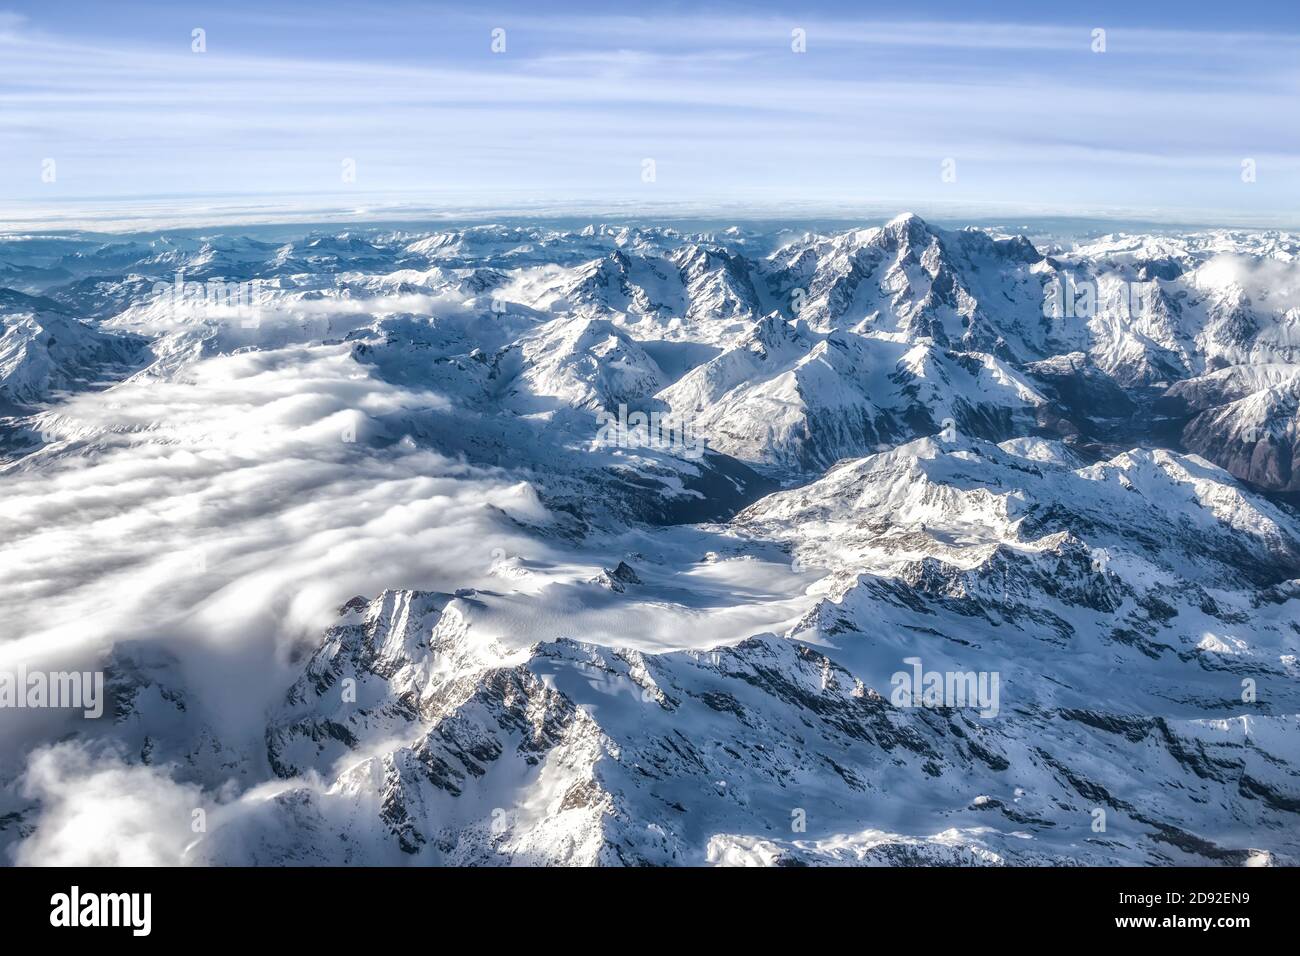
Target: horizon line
x=138, y=214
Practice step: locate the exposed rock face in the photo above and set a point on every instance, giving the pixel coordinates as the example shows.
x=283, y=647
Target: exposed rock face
x=1247, y=419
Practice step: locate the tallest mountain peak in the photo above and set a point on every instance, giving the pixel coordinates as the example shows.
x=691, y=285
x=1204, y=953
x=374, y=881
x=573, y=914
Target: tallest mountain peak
x=907, y=219
x=907, y=226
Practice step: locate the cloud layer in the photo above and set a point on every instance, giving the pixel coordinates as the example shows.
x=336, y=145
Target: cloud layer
x=207, y=508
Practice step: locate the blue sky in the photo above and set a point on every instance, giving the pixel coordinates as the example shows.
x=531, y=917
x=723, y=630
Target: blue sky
x=1012, y=94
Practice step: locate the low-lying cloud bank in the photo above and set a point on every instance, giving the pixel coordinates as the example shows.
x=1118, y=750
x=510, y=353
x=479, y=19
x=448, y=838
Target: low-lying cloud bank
x=226, y=513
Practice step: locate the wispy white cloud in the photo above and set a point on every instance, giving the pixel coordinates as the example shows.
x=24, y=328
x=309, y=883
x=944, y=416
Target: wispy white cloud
x=97, y=810
x=950, y=34
x=724, y=107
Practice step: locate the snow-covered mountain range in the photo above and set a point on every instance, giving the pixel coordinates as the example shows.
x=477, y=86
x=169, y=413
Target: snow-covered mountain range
x=526, y=544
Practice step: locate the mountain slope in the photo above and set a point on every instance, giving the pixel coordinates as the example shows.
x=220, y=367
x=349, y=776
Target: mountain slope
x=622, y=544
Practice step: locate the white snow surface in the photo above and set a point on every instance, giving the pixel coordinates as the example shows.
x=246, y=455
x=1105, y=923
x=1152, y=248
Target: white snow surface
x=370, y=584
